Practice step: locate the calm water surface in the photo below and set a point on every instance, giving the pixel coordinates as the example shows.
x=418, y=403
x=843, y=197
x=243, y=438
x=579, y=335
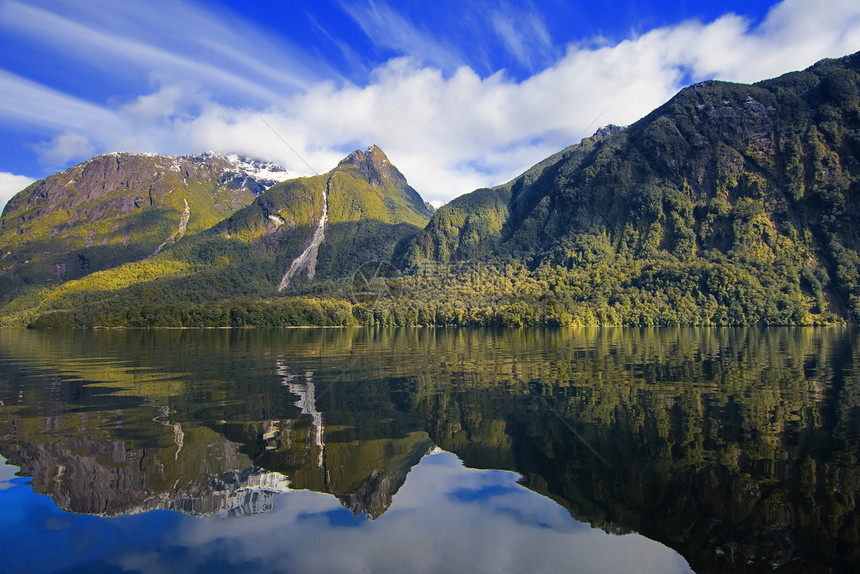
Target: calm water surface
x=419, y=450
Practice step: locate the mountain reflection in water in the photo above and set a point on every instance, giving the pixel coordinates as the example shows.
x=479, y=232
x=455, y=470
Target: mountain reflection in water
x=735, y=447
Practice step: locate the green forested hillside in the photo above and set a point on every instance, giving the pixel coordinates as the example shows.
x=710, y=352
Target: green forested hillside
x=730, y=204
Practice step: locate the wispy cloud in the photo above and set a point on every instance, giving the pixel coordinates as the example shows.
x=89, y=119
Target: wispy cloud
x=523, y=33
x=173, y=40
x=27, y=102
x=389, y=29
x=356, y=65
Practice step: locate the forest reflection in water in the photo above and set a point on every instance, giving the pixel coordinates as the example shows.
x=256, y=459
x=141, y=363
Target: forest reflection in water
x=735, y=447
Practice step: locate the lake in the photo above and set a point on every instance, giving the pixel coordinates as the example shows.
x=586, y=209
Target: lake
x=430, y=450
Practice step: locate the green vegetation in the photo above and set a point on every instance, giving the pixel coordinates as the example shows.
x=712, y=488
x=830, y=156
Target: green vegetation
x=105, y=212
x=731, y=204
x=227, y=275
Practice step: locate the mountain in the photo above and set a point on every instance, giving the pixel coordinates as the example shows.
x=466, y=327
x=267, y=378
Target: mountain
x=358, y=211
x=471, y=225
x=731, y=203
x=116, y=208
x=95, y=480
x=321, y=227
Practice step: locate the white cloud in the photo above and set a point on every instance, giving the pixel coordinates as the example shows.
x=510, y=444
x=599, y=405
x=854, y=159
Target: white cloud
x=66, y=147
x=10, y=184
x=795, y=34
x=448, y=129
x=175, y=40
x=25, y=102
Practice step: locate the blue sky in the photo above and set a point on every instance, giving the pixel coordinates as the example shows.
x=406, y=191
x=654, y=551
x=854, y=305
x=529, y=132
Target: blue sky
x=459, y=95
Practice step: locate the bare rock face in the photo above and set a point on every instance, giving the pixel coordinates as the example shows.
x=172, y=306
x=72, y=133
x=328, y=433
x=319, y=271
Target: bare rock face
x=374, y=165
x=121, y=182
x=606, y=131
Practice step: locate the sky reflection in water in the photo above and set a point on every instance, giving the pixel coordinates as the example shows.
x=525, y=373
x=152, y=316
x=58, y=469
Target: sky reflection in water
x=445, y=518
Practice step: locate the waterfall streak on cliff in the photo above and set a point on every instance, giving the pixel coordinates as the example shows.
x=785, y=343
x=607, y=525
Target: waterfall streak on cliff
x=179, y=233
x=308, y=258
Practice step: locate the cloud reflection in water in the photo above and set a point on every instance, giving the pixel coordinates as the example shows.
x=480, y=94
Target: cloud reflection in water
x=445, y=518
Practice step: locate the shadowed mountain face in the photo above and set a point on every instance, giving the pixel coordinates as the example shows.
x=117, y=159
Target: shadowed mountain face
x=117, y=208
x=736, y=447
x=755, y=183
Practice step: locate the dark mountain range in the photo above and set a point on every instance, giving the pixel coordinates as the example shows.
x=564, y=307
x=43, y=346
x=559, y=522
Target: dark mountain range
x=740, y=203
x=730, y=204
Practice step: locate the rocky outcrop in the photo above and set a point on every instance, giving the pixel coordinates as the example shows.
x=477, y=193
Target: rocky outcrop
x=180, y=231
x=307, y=259
x=374, y=165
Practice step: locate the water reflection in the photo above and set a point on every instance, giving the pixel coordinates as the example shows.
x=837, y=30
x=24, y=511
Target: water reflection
x=446, y=518
x=736, y=447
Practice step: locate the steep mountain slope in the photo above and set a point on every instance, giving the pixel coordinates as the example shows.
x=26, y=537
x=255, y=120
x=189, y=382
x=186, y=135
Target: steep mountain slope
x=316, y=227
x=116, y=208
x=737, y=202
x=368, y=205
x=321, y=227
x=471, y=225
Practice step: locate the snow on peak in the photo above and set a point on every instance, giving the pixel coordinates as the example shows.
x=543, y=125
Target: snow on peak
x=262, y=171
x=238, y=172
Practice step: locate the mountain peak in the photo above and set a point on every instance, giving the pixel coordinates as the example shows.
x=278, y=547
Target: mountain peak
x=373, y=164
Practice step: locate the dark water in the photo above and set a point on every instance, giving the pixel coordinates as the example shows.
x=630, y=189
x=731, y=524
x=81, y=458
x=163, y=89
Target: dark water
x=586, y=450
